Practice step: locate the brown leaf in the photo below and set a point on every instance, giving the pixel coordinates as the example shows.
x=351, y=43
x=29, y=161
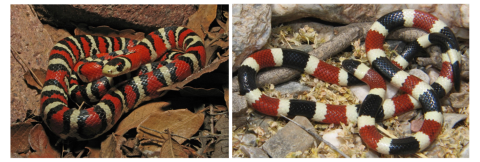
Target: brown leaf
x=18, y=137
x=202, y=19
x=30, y=79
x=172, y=149
x=139, y=115
x=103, y=30
x=107, y=148
x=180, y=122
x=220, y=108
x=40, y=143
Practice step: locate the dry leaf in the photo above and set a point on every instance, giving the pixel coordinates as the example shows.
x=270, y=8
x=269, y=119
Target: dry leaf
x=172, y=149
x=18, y=137
x=138, y=115
x=39, y=73
x=40, y=143
x=202, y=19
x=220, y=108
x=180, y=122
x=107, y=149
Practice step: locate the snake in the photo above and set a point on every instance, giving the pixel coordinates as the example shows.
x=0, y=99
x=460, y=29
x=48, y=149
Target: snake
x=374, y=107
x=69, y=122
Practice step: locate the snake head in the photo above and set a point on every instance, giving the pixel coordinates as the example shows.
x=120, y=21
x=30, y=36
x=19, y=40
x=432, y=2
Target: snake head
x=116, y=67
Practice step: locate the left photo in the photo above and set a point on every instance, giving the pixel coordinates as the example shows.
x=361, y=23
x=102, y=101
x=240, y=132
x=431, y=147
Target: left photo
x=119, y=81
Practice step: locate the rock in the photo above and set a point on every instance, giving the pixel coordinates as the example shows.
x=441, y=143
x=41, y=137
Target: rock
x=249, y=139
x=145, y=18
x=450, y=119
x=460, y=99
x=32, y=43
x=420, y=74
x=291, y=138
x=271, y=76
x=465, y=153
x=331, y=137
x=465, y=75
x=251, y=29
x=361, y=91
x=371, y=154
x=263, y=121
x=253, y=152
x=239, y=110
x=433, y=74
x=292, y=87
x=304, y=47
x=455, y=16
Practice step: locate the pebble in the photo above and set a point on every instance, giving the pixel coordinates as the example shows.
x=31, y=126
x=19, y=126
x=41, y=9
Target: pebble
x=253, y=152
x=291, y=138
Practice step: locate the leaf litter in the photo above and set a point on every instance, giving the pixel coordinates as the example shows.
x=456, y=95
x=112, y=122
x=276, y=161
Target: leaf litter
x=144, y=122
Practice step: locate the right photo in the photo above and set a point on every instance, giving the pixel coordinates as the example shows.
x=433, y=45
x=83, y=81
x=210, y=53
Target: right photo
x=350, y=81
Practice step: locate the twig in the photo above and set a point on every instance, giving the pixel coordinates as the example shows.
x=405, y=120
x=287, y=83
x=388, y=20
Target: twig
x=309, y=131
x=212, y=129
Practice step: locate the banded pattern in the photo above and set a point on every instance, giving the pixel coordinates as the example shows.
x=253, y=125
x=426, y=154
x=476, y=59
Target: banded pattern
x=369, y=111
x=421, y=91
x=88, y=123
x=92, y=92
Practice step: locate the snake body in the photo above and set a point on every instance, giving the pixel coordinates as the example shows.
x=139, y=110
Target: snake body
x=57, y=108
x=373, y=108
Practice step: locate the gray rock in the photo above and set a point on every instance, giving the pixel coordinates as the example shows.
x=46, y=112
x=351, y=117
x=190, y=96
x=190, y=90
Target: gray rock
x=433, y=74
x=253, y=152
x=251, y=29
x=450, y=119
x=420, y=74
x=291, y=138
x=249, y=139
x=239, y=110
x=271, y=76
x=460, y=99
x=305, y=48
x=361, y=91
x=371, y=154
x=292, y=87
x=456, y=16
x=465, y=153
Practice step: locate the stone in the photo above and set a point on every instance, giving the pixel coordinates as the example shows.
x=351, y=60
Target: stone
x=251, y=29
x=332, y=137
x=450, y=119
x=239, y=110
x=249, y=139
x=361, y=91
x=253, y=152
x=455, y=16
x=145, y=18
x=291, y=138
x=292, y=87
x=420, y=74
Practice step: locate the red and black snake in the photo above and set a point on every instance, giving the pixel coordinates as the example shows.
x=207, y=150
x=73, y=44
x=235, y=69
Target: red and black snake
x=87, y=123
x=374, y=107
